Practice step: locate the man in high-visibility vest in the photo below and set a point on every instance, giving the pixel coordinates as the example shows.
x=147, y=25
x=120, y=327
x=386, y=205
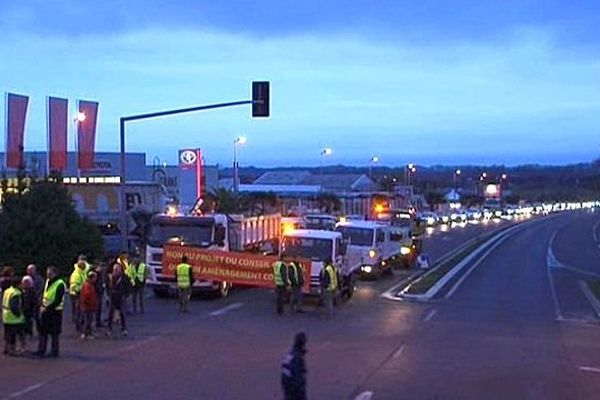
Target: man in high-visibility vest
x=140, y=274
x=296, y=278
x=13, y=318
x=329, y=285
x=76, y=281
x=185, y=280
x=280, y=278
x=51, y=313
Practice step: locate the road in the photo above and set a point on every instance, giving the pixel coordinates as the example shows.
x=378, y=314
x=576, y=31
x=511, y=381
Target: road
x=506, y=333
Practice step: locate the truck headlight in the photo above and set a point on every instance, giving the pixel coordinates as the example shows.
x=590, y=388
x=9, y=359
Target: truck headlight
x=404, y=250
x=372, y=253
x=367, y=269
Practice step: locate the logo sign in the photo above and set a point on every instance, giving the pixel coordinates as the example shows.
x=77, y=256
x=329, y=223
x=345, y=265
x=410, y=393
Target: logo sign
x=187, y=158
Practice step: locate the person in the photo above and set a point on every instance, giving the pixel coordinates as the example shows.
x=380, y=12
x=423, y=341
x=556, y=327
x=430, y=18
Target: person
x=140, y=273
x=293, y=370
x=296, y=278
x=100, y=287
x=13, y=318
x=38, y=281
x=6, y=277
x=118, y=288
x=51, y=313
x=88, y=304
x=329, y=284
x=185, y=279
x=31, y=306
x=125, y=263
x=280, y=278
x=76, y=280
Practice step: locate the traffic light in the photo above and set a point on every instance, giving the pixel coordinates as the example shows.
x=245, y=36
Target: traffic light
x=260, y=99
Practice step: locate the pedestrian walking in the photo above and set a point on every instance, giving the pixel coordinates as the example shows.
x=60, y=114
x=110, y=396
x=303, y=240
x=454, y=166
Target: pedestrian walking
x=140, y=274
x=13, y=318
x=31, y=306
x=293, y=370
x=185, y=280
x=296, y=278
x=280, y=278
x=329, y=284
x=76, y=281
x=88, y=304
x=51, y=313
x=118, y=288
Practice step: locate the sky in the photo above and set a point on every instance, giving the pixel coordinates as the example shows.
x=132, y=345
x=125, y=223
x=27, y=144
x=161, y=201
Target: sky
x=424, y=81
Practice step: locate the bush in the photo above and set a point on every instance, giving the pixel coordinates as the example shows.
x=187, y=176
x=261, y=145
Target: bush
x=41, y=226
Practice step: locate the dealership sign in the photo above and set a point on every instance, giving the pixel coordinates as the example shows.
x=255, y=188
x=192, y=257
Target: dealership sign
x=188, y=158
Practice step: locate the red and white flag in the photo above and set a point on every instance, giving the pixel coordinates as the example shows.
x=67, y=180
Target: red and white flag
x=86, y=133
x=58, y=117
x=16, y=112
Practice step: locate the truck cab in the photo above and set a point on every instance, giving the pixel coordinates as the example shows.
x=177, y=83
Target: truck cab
x=370, y=247
x=318, y=246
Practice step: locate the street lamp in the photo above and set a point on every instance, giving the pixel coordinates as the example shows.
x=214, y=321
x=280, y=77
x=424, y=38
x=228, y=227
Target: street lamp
x=374, y=160
x=240, y=140
x=79, y=118
x=410, y=169
x=456, y=175
x=327, y=151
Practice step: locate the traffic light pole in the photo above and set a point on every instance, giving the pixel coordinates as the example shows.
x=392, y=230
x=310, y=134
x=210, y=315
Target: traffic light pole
x=123, y=120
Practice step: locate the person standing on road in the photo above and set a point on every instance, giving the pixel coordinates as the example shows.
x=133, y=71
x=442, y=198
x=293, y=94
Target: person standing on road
x=329, y=286
x=100, y=287
x=51, y=312
x=293, y=370
x=280, y=277
x=13, y=318
x=6, y=277
x=88, y=304
x=140, y=274
x=296, y=278
x=118, y=288
x=38, y=281
x=31, y=306
x=76, y=280
x=185, y=279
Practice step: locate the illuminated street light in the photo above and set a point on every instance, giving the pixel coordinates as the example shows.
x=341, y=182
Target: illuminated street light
x=327, y=151
x=80, y=117
x=455, y=176
x=457, y=172
x=484, y=175
x=374, y=159
x=504, y=176
x=240, y=140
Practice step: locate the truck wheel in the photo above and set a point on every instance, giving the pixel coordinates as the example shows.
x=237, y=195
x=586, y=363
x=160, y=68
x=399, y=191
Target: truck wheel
x=160, y=293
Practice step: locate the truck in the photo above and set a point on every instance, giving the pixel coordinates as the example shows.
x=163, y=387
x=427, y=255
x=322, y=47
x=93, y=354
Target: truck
x=319, y=246
x=373, y=247
x=221, y=232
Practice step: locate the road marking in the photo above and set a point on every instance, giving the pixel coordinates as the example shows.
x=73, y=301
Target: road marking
x=225, y=309
x=550, y=262
x=26, y=390
x=399, y=352
x=590, y=369
x=595, y=230
x=591, y=297
x=430, y=316
x=364, y=396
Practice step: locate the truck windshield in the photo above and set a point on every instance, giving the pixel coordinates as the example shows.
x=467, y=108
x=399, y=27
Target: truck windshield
x=401, y=219
x=195, y=235
x=357, y=236
x=323, y=223
x=315, y=249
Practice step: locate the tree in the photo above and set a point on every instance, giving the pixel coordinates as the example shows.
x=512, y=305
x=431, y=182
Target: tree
x=259, y=203
x=220, y=200
x=41, y=226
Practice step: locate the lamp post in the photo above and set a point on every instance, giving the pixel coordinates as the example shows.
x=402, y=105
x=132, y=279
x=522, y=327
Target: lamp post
x=456, y=175
x=240, y=140
x=79, y=118
x=327, y=151
x=374, y=160
x=410, y=170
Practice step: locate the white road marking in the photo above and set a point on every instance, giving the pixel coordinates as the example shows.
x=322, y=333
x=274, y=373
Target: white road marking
x=430, y=316
x=590, y=369
x=399, y=352
x=591, y=297
x=26, y=390
x=550, y=262
x=364, y=396
x=225, y=309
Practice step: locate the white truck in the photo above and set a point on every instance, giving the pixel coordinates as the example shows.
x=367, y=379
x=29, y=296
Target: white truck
x=212, y=231
x=373, y=246
x=319, y=246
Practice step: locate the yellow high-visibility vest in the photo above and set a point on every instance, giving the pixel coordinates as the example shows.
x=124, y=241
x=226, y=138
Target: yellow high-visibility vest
x=50, y=294
x=8, y=317
x=183, y=276
x=277, y=275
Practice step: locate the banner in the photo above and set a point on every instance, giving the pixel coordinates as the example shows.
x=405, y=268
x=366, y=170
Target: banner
x=57, y=123
x=214, y=265
x=16, y=112
x=86, y=133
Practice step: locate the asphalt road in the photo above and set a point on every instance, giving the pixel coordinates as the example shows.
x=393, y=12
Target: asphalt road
x=497, y=337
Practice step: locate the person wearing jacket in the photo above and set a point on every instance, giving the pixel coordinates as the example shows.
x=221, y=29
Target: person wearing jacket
x=31, y=306
x=281, y=281
x=100, y=287
x=118, y=289
x=88, y=304
x=76, y=280
x=293, y=370
x=51, y=312
x=329, y=285
x=13, y=317
x=296, y=278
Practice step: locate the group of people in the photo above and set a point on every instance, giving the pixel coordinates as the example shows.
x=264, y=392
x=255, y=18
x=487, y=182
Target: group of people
x=32, y=302
x=288, y=273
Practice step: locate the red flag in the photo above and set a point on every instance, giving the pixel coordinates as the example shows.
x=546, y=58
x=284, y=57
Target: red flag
x=15, y=129
x=58, y=116
x=86, y=133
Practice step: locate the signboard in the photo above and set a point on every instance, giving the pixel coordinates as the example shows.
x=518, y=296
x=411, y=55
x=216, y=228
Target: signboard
x=238, y=268
x=187, y=158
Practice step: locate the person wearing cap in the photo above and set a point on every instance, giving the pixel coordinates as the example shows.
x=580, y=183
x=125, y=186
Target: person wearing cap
x=293, y=370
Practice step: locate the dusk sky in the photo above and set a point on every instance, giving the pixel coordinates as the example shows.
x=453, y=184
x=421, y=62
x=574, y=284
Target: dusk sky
x=450, y=82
